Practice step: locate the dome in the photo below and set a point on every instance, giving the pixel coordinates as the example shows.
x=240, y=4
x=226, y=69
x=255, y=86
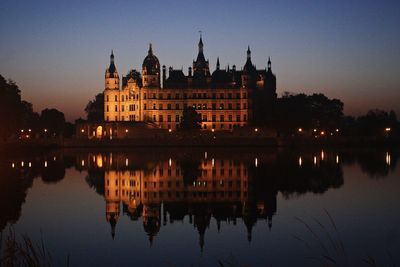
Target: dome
x=151, y=65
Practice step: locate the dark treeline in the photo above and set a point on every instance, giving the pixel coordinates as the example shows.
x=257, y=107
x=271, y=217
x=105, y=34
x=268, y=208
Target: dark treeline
x=18, y=119
x=293, y=112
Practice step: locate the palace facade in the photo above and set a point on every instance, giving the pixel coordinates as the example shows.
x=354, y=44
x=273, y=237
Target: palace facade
x=225, y=99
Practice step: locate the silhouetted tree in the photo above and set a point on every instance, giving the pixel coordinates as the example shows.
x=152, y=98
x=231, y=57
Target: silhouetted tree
x=14, y=112
x=375, y=122
x=53, y=120
x=191, y=119
x=95, y=108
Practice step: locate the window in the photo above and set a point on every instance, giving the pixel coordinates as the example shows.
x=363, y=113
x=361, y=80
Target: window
x=160, y=96
x=244, y=117
x=176, y=106
x=154, y=106
x=230, y=95
x=169, y=106
x=221, y=95
x=145, y=106
x=160, y=118
x=169, y=96
x=144, y=96
x=122, y=118
x=238, y=95
x=123, y=98
x=244, y=95
x=184, y=95
x=154, y=118
x=214, y=106
x=204, y=106
x=116, y=108
x=230, y=117
x=177, y=118
x=107, y=108
x=214, y=95
x=214, y=118
x=204, y=95
x=230, y=106
x=116, y=98
x=204, y=117
x=108, y=98
x=244, y=105
x=198, y=95
x=237, y=105
x=221, y=118
x=160, y=106
x=221, y=106
x=177, y=96
x=237, y=117
x=154, y=96
x=169, y=118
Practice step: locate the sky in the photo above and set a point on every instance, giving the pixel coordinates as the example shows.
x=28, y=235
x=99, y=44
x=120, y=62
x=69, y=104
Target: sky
x=57, y=51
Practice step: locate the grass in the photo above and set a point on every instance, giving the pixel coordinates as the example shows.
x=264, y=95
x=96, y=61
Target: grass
x=327, y=247
x=24, y=252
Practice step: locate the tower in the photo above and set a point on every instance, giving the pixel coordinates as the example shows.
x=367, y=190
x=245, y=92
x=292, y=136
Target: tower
x=151, y=70
x=201, y=70
x=249, y=71
x=111, y=92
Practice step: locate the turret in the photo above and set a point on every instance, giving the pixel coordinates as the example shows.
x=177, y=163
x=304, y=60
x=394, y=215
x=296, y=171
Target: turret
x=151, y=70
x=111, y=92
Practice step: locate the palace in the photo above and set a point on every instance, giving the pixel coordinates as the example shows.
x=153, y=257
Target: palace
x=225, y=99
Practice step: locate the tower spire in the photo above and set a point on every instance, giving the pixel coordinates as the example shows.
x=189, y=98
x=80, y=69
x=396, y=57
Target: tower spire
x=248, y=52
x=218, y=63
x=150, y=49
x=201, y=43
x=269, y=63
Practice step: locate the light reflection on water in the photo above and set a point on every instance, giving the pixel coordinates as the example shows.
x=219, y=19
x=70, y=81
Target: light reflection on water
x=235, y=202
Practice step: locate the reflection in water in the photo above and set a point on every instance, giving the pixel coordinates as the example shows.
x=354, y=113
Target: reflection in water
x=164, y=187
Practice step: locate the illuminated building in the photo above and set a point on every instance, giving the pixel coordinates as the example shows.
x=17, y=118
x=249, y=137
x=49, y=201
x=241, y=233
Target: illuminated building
x=225, y=98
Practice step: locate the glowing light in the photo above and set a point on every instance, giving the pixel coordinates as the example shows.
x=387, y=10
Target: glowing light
x=83, y=130
x=45, y=130
x=337, y=130
x=99, y=161
x=45, y=163
x=30, y=164
x=22, y=130
x=212, y=130
x=83, y=163
x=205, y=155
x=126, y=162
x=30, y=130
x=126, y=130
x=13, y=165
x=388, y=129
x=212, y=162
x=337, y=159
x=256, y=162
x=300, y=161
x=322, y=133
x=315, y=160
x=388, y=158
x=22, y=164
x=170, y=130
x=256, y=129
x=322, y=155
x=300, y=130
x=170, y=162
x=315, y=130
x=54, y=158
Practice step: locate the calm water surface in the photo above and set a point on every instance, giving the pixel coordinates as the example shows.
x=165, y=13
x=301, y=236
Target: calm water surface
x=203, y=207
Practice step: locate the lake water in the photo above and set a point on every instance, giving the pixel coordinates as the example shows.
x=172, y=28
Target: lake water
x=205, y=207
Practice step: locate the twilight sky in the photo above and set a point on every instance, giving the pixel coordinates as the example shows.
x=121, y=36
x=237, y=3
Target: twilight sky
x=57, y=51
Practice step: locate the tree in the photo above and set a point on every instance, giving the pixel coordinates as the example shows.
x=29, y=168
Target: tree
x=95, y=108
x=53, y=120
x=191, y=119
x=14, y=113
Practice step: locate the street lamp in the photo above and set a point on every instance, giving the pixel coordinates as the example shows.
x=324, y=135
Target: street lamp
x=300, y=130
